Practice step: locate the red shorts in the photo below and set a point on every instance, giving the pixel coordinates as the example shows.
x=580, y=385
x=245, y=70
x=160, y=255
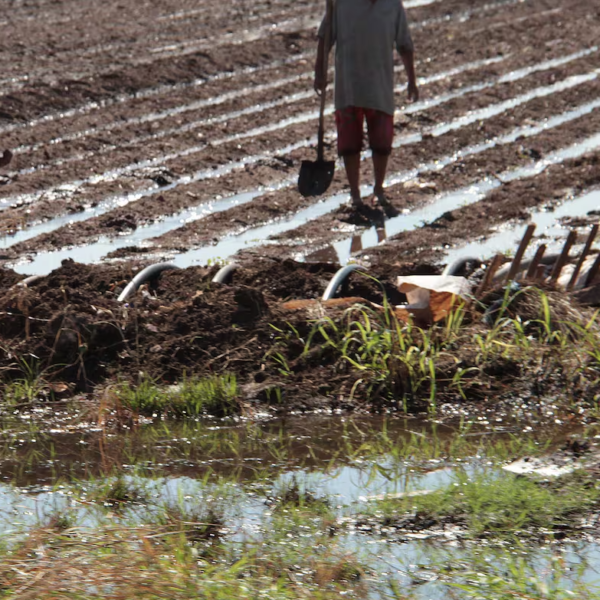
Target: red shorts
x=380, y=127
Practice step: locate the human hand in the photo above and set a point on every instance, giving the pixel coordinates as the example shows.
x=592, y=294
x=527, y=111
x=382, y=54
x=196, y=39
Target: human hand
x=320, y=82
x=412, y=91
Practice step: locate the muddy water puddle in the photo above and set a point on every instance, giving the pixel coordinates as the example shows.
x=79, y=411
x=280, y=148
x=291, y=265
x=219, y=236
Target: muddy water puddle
x=243, y=470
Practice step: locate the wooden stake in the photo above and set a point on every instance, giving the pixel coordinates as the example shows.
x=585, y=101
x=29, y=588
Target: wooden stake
x=540, y=272
x=564, y=256
x=489, y=274
x=593, y=271
x=535, y=263
x=516, y=263
x=586, y=250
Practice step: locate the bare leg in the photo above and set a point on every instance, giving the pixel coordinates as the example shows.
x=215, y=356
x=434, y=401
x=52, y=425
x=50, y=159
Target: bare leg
x=380, y=162
x=352, y=164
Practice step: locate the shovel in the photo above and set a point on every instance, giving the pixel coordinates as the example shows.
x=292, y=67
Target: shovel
x=5, y=158
x=316, y=177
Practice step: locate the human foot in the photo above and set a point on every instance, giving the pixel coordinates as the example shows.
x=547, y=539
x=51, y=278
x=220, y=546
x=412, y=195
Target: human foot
x=381, y=198
x=356, y=201
x=384, y=202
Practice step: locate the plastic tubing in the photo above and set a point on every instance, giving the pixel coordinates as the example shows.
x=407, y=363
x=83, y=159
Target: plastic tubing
x=224, y=274
x=339, y=278
x=144, y=275
x=458, y=265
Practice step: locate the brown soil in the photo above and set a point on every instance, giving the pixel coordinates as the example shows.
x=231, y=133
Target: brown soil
x=147, y=115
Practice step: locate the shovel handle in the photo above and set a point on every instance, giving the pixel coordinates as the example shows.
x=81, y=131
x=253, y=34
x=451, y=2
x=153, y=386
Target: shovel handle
x=326, y=49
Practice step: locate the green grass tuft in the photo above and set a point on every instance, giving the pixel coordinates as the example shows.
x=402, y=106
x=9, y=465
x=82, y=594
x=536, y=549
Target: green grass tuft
x=500, y=505
x=194, y=397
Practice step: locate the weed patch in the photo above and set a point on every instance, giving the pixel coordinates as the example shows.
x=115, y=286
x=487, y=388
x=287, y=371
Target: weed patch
x=292, y=496
x=532, y=343
x=116, y=492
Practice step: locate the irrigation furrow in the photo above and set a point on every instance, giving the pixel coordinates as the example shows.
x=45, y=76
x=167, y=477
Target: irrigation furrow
x=161, y=89
x=153, y=92
x=148, y=93
x=234, y=98
x=253, y=235
x=467, y=197
x=253, y=109
x=311, y=23
x=549, y=225
x=95, y=154
x=477, y=189
x=144, y=32
x=246, y=145
x=483, y=113
x=274, y=23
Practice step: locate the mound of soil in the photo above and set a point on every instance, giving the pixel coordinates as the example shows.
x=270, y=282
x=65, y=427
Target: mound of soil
x=70, y=327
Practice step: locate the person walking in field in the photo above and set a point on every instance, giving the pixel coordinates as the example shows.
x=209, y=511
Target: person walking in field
x=365, y=33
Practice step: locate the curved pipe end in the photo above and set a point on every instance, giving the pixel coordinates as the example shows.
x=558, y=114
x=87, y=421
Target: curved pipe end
x=339, y=278
x=459, y=264
x=144, y=275
x=225, y=274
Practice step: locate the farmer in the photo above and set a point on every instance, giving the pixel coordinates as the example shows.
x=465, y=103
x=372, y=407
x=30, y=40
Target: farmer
x=365, y=33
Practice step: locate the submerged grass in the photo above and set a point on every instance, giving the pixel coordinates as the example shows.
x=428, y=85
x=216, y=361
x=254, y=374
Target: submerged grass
x=497, y=506
x=186, y=552
x=481, y=572
x=189, y=541
x=116, y=492
x=291, y=497
x=172, y=560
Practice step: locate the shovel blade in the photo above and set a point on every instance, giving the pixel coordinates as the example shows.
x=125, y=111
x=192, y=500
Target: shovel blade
x=315, y=177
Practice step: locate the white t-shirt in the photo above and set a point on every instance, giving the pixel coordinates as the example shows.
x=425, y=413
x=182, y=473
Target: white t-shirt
x=365, y=33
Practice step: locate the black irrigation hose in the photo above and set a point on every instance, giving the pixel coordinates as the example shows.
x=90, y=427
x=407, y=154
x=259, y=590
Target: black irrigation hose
x=144, y=275
x=459, y=265
x=339, y=278
x=225, y=274
x=28, y=281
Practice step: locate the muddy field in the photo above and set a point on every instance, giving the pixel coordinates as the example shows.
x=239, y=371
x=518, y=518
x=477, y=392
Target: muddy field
x=174, y=130
x=158, y=445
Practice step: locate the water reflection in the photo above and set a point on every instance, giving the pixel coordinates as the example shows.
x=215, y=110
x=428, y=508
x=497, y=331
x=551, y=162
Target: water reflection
x=237, y=466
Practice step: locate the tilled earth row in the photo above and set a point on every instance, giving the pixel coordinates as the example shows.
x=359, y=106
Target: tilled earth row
x=69, y=170
x=124, y=156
